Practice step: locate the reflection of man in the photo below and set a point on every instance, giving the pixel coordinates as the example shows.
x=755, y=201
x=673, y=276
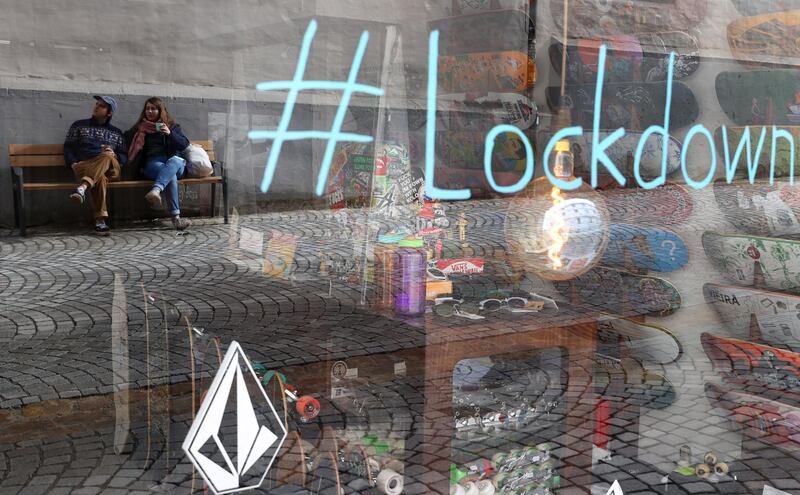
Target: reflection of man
x=94, y=151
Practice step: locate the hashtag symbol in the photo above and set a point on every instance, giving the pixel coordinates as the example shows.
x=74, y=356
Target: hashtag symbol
x=294, y=87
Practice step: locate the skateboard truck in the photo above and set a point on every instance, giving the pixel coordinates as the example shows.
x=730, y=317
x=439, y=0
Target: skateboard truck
x=305, y=405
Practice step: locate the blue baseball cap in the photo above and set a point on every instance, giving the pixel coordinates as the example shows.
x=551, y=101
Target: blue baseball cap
x=108, y=100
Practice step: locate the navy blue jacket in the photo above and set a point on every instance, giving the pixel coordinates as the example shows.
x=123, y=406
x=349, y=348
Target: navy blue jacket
x=85, y=137
x=175, y=143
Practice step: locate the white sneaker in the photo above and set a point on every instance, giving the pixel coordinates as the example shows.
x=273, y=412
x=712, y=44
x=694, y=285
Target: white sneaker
x=180, y=223
x=154, y=197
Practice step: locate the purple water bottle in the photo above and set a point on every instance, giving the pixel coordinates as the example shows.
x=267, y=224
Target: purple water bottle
x=410, y=278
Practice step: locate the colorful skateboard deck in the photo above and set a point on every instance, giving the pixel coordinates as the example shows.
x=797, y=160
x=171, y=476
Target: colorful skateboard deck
x=396, y=182
x=492, y=31
x=350, y=176
x=776, y=315
x=772, y=421
x=464, y=150
x=669, y=204
x=782, y=150
x=736, y=257
x=622, y=153
x=645, y=342
x=767, y=371
x=279, y=256
x=759, y=208
x=644, y=249
x=623, y=293
x=463, y=112
x=460, y=160
x=637, y=57
x=629, y=105
x=590, y=18
x=767, y=38
x=486, y=71
x=760, y=97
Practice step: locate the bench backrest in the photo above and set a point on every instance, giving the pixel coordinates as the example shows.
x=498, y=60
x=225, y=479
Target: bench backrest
x=52, y=155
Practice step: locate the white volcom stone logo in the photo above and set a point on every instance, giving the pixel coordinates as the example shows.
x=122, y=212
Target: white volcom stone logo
x=228, y=442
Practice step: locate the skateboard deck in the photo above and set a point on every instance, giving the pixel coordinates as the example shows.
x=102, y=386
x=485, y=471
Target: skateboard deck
x=464, y=150
x=760, y=97
x=486, y=71
x=637, y=57
x=645, y=342
x=767, y=38
x=644, y=249
x=635, y=105
x=736, y=257
x=622, y=153
x=776, y=315
x=757, y=7
x=467, y=112
x=350, y=176
x=623, y=293
x=492, y=31
x=396, y=182
x=669, y=204
x=590, y=19
x=768, y=371
x=279, y=256
x=759, y=208
x=772, y=421
x=460, y=160
x=783, y=150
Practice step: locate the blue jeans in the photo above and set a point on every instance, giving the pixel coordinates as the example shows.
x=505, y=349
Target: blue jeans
x=166, y=173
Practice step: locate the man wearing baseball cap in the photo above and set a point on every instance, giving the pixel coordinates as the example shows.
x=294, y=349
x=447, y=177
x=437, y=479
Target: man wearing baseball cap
x=95, y=151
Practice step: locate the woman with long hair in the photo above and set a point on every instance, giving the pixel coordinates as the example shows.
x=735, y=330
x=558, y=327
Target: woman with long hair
x=154, y=146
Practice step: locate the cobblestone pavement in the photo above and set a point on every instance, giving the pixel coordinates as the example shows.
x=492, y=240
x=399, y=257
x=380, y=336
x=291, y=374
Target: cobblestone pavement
x=56, y=380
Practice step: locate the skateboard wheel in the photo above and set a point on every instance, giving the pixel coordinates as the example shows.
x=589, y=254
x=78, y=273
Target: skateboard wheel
x=720, y=468
x=485, y=487
x=499, y=459
x=710, y=458
x=470, y=488
x=702, y=470
x=500, y=480
x=307, y=407
x=390, y=482
x=457, y=489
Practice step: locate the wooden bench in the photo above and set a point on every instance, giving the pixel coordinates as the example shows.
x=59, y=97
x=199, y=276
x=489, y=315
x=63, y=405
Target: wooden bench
x=29, y=156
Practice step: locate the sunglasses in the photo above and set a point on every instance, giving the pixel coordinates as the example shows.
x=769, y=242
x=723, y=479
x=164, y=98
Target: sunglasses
x=456, y=307
x=493, y=304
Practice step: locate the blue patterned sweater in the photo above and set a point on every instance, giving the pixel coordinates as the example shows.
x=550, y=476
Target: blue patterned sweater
x=85, y=137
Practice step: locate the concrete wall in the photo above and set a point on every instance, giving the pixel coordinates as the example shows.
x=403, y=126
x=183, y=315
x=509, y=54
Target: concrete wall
x=207, y=56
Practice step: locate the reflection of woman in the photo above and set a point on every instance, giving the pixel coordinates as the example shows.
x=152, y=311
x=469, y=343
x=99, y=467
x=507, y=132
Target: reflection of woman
x=154, y=147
